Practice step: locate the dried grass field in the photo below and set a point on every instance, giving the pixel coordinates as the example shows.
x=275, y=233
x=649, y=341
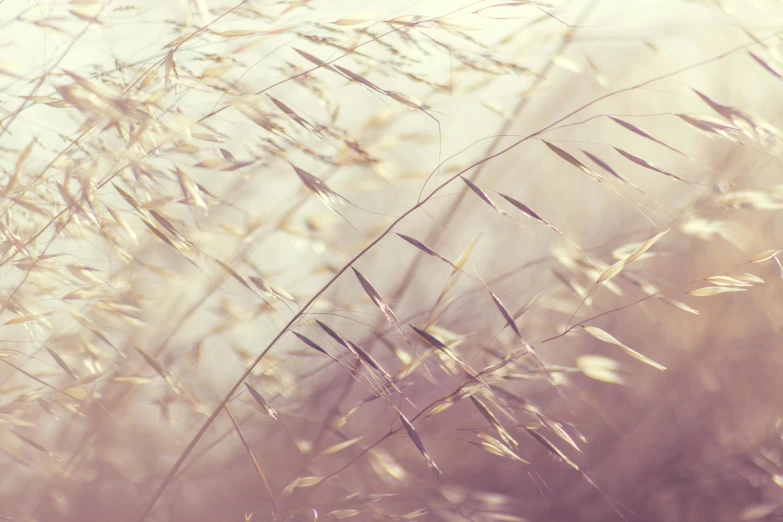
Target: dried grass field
x=305, y=260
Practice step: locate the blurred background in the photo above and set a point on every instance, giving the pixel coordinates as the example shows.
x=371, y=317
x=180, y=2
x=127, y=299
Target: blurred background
x=309, y=260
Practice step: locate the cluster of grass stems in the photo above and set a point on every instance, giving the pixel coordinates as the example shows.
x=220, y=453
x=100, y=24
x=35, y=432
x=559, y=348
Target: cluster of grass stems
x=491, y=261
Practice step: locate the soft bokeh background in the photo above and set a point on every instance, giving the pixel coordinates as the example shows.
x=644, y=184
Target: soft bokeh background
x=128, y=319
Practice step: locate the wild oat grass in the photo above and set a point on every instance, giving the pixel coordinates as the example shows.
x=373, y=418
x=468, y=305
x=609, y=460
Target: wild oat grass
x=290, y=261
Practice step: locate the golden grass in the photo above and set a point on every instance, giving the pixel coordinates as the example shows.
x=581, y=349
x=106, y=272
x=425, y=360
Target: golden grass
x=491, y=262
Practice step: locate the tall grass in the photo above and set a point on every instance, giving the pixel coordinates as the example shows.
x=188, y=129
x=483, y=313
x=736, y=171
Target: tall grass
x=485, y=261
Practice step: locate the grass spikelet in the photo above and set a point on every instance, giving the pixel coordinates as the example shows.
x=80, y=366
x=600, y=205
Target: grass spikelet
x=649, y=166
x=766, y=66
x=30, y=442
x=261, y=402
x=529, y=212
x=190, y=190
x=340, y=446
x=436, y=343
x=558, y=429
x=62, y=364
x=616, y=268
x=636, y=130
x=312, y=59
x=710, y=127
x=714, y=290
x=482, y=408
x=427, y=250
x=483, y=195
x=606, y=337
x=764, y=256
x=312, y=345
x=461, y=261
x=573, y=161
x=507, y=316
x=159, y=369
x=678, y=304
x=334, y=335
x=551, y=447
x=600, y=368
x=359, y=79
x=233, y=273
x=527, y=306
x=366, y=357
x=605, y=166
x=498, y=448
x=319, y=188
x=414, y=435
x=376, y=298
